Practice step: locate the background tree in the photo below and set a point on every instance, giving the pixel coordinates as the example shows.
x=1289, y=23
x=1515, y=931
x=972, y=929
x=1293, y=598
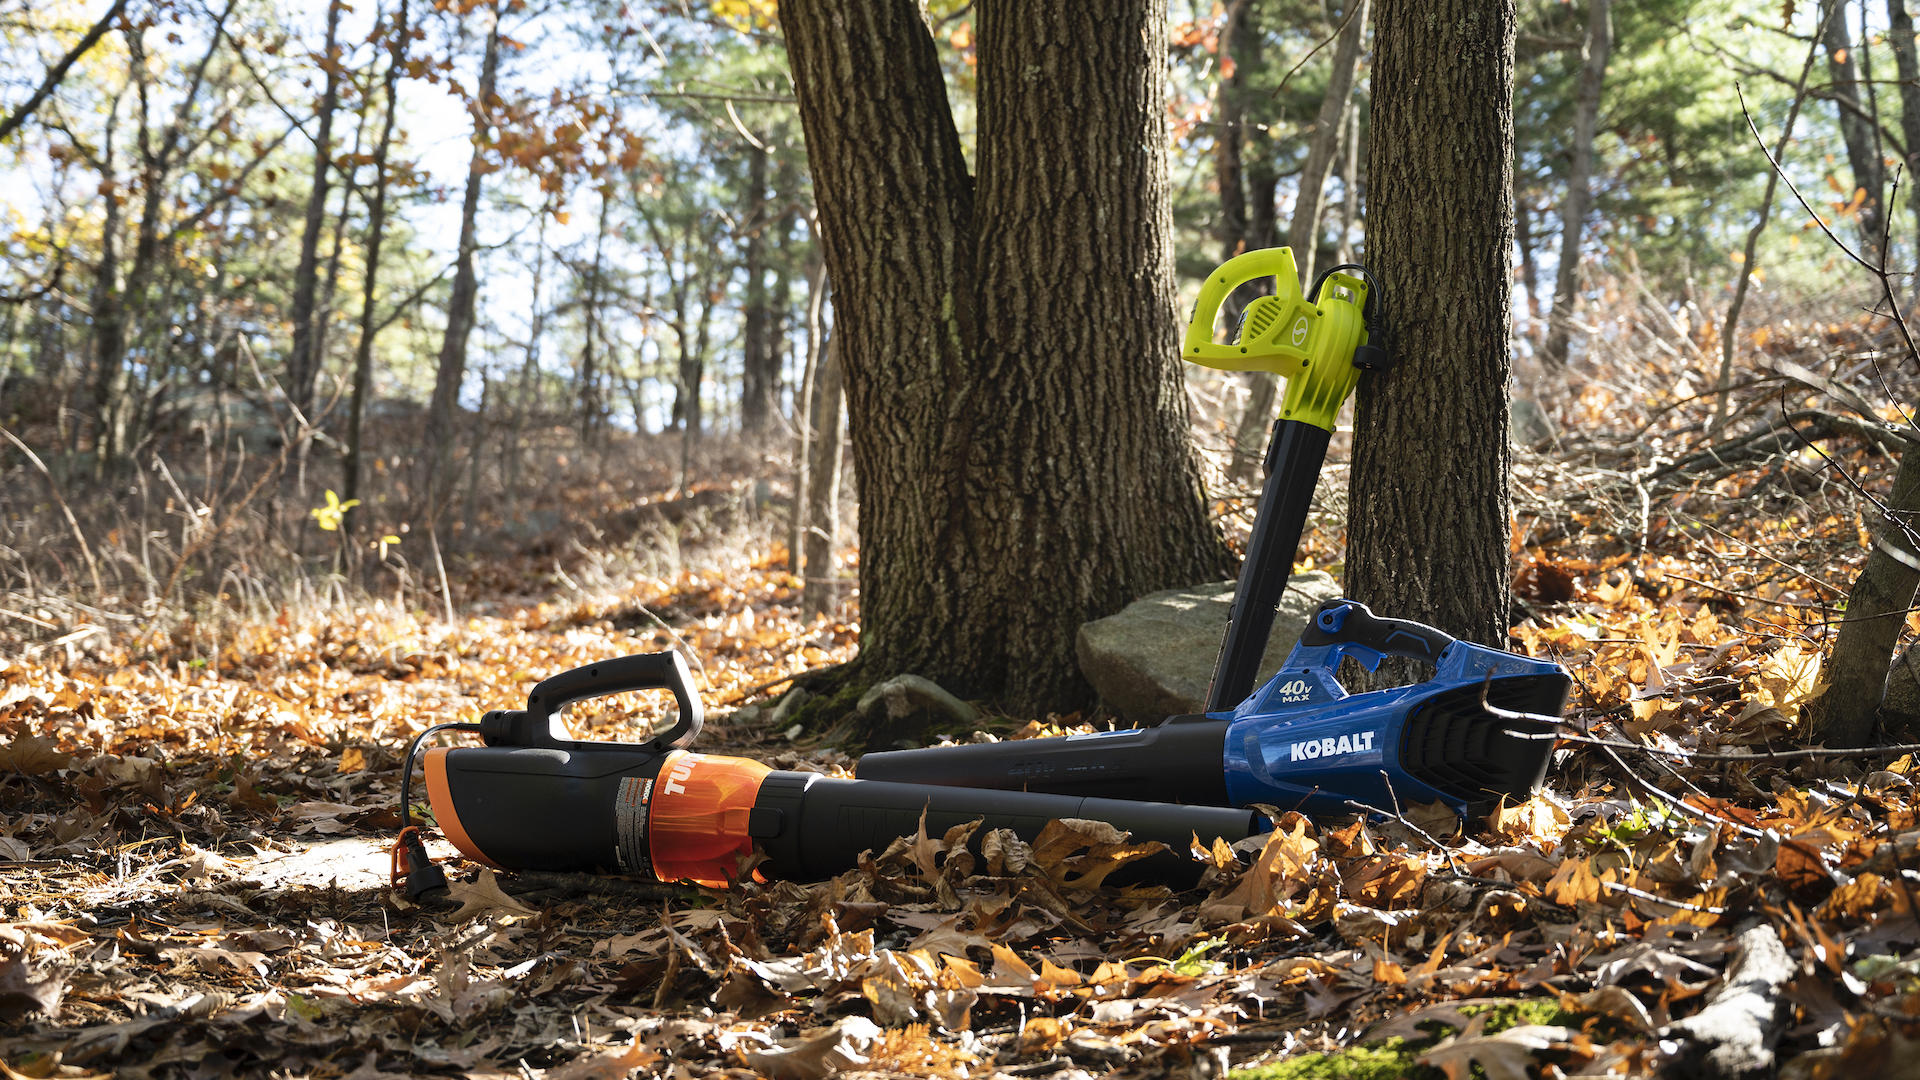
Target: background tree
x=1428, y=527
x=1008, y=342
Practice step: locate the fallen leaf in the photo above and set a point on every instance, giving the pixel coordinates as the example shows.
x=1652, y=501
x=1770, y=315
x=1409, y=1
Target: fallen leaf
x=1505, y=1056
x=483, y=896
x=843, y=1046
x=33, y=755
x=22, y=992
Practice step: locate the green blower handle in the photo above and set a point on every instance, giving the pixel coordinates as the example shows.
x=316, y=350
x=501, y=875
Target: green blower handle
x=1310, y=345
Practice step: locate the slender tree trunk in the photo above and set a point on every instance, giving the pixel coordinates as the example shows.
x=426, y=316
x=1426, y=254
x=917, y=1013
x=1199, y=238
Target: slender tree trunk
x=397, y=38
x=756, y=394
x=1242, y=36
x=529, y=367
x=329, y=292
x=1350, y=180
x=1863, y=151
x=804, y=413
x=1848, y=713
x=1573, y=212
x=1018, y=420
x=451, y=369
x=1900, y=25
x=1303, y=236
x=590, y=406
x=1427, y=536
x=821, y=593
x=109, y=316
x=1243, y=171
x=303, y=361
x=1529, y=271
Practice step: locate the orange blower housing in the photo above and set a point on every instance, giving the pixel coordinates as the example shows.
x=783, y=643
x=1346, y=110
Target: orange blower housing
x=532, y=799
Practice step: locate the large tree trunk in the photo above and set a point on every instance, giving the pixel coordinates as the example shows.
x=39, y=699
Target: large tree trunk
x=1573, y=212
x=1018, y=419
x=451, y=369
x=1428, y=528
x=1863, y=153
x=303, y=359
x=370, y=275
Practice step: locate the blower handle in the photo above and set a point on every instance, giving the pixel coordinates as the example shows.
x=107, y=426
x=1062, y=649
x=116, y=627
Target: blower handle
x=1283, y=355
x=1355, y=630
x=540, y=724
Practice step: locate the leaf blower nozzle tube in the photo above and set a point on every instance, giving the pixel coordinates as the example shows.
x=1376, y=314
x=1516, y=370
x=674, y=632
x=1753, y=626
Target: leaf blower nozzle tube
x=1177, y=761
x=688, y=816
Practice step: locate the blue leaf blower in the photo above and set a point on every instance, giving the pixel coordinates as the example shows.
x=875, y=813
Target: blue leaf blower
x=1300, y=741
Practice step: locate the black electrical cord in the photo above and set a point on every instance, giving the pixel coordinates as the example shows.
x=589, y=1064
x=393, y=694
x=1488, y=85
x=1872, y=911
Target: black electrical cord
x=406, y=768
x=1374, y=314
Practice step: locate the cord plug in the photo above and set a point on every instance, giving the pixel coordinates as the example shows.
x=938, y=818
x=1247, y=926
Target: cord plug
x=414, y=871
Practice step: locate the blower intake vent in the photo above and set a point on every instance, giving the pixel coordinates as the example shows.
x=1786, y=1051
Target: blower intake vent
x=1454, y=745
x=1260, y=317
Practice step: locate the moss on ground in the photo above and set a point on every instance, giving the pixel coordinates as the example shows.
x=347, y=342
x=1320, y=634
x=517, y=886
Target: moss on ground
x=823, y=711
x=1396, y=1058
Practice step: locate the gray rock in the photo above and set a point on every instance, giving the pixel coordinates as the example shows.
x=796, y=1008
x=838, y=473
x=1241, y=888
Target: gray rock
x=788, y=705
x=1900, y=712
x=1154, y=659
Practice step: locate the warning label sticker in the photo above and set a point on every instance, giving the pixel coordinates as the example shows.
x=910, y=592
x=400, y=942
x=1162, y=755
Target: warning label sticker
x=630, y=825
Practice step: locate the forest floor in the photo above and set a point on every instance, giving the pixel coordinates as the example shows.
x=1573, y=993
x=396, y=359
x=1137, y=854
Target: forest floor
x=196, y=816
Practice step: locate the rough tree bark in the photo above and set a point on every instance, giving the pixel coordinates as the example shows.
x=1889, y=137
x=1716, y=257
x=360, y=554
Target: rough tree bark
x=451, y=369
x=1863, y=152
x=1573, y=212
x=303, y=359
x=1018, y=421
x=1427, y=534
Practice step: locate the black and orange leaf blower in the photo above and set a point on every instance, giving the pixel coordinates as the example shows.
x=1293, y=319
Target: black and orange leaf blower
x=533, y=798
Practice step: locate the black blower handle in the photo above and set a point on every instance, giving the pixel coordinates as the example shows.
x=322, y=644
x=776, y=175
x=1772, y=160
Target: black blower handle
x=1350, y=622
x=540, y=724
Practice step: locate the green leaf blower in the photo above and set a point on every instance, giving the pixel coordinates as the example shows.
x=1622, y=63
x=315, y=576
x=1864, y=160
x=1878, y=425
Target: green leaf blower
x=534, y=798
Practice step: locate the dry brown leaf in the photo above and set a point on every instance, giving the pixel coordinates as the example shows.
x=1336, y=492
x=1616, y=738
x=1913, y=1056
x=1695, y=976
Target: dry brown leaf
x=22, y=991
x=33, y=755
x=1076, y=853
x=483, y=897
x=1505, y=1056
x=843, y=1046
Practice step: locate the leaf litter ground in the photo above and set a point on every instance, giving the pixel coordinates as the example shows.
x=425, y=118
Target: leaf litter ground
x=194, y=845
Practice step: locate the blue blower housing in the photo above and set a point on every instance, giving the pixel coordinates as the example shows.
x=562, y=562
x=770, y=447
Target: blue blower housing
x=1301, y=741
